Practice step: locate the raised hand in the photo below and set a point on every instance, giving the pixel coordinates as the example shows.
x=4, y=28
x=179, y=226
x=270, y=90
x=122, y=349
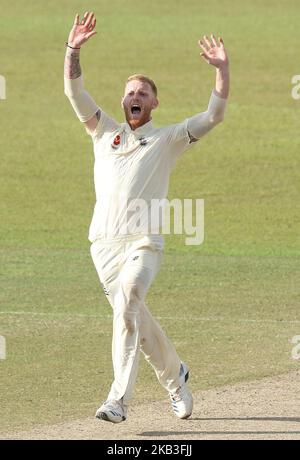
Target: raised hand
x=82, y=30
x=214, y=52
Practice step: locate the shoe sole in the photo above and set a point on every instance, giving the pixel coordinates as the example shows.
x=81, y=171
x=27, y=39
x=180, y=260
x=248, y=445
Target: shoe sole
x=104, y=416
x=185, y=417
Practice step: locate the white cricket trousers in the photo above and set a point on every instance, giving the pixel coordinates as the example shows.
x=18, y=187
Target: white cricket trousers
x=126, y=270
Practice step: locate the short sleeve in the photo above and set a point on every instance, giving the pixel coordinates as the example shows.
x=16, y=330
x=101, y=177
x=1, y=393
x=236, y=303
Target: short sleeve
x=105, y=124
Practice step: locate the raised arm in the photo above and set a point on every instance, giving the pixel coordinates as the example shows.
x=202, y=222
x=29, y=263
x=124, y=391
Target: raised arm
x=85, y=107
x=215, y=54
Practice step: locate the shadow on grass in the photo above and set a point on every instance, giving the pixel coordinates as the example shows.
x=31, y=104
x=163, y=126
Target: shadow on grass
x=251, y=419
x=224, y=432
x=215, y=433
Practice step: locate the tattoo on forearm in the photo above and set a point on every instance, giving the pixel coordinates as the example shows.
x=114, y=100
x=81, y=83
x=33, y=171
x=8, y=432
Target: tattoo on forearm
x=72, y=64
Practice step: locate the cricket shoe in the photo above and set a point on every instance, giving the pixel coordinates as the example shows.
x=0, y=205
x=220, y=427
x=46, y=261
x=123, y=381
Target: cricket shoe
x=112, y=411
x=181, y=398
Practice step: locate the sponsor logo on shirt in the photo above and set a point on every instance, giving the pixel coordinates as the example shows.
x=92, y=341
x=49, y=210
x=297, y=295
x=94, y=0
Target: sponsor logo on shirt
x=105, y=290
x=143, y=141
x=117, y=141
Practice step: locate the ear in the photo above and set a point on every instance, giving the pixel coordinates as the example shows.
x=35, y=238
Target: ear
x=155, y=104
x=122, y=102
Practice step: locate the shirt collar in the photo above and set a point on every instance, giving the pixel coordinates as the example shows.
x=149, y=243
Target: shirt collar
x=141, y=131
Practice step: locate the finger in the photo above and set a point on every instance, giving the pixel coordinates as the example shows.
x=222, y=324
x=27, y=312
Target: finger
x=90, y=34
x=76, y=20
x=207, y=42
x=89, y=19
x=214, y=40
x=202, y=45
x=221, y=42
x=93, y=25
x=205, y=57
x=84, y=18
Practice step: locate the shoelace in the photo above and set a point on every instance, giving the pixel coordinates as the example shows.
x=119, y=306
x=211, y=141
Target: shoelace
x=111, y=404
x=177, y=395
x=116, y=407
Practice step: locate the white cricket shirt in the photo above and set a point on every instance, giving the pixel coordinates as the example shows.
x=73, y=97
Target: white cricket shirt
x=131, y=169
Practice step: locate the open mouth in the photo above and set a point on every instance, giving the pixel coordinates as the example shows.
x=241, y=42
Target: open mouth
x=135, y=109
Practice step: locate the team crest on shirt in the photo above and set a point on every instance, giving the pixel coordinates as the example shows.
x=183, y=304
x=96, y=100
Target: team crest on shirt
x=116, y=142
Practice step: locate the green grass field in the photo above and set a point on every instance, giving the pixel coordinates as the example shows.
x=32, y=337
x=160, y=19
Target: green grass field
x=236, y=297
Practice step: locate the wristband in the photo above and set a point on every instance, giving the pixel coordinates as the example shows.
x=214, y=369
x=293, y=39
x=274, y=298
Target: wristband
x=67, y=44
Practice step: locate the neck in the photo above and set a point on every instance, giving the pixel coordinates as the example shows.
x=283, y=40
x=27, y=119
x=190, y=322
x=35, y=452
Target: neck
x=134, y=126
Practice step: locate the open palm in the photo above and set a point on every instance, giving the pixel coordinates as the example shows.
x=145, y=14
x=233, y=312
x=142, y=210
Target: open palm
x=82, y=30
x=214, y=51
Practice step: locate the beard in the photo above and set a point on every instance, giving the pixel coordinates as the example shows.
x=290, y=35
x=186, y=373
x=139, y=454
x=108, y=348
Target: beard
x=138, y=119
